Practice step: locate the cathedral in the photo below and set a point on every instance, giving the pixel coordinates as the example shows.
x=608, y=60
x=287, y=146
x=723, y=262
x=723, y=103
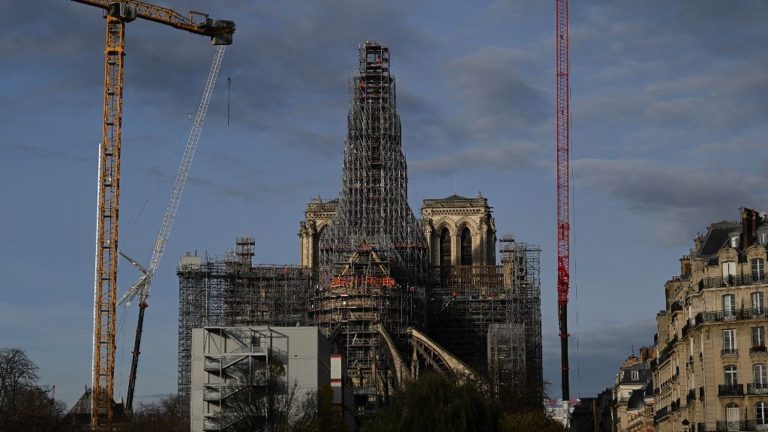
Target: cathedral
x=394, y=294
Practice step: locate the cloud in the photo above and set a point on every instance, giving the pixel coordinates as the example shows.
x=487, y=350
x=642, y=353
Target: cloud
x=682, y=198
x=595, y=355
x=43, y=152
x=491, y=83
x=510, y=157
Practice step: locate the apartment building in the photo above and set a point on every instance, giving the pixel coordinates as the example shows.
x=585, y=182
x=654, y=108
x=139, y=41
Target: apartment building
x=711, y=373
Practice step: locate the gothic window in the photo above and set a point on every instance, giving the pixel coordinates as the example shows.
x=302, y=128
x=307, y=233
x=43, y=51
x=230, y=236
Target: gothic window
x=445, y=248
x=466, y=247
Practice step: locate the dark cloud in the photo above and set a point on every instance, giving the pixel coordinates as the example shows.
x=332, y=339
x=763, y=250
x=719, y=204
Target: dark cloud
x=686, y=198
x=596, y=354
x=504, y=158
x=496, y=95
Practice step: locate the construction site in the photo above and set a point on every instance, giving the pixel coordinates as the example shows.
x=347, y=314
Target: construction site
x=393, y=294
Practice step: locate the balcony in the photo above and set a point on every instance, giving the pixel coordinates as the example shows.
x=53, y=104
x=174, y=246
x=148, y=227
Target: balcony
x=745, y=279
x=730, y=390
x=730, y=315
x=757, y=388
x=729, y=351
x=740, y=425
x=758, y=350
x=660, y=414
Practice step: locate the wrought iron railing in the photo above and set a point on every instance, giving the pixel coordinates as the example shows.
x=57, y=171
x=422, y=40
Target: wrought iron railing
x=730, y=390
x=733, y=280
x=757, y=388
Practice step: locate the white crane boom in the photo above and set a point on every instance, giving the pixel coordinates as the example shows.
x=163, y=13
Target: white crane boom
x=143, y=285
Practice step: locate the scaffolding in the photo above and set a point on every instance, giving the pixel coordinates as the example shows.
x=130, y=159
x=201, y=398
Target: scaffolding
x=232, y=292
x=373, y=256
x=490, y=315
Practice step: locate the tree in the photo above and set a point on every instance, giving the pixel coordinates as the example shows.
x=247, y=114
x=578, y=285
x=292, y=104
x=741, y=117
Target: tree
x=165, y=415
x=17, y=372
x=260, y=399
x=435, y=403
x=25, y=405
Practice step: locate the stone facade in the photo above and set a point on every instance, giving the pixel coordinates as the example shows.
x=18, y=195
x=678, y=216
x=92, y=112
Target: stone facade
x=317, y=217
x=459, y=231
x=712, y=370
x=466, y=224
x=633, y=394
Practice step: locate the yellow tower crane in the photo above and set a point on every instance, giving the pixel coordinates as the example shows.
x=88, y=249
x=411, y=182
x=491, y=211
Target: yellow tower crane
x=105, y=278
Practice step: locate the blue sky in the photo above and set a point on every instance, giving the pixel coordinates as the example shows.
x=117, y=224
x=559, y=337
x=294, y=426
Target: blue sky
x=669, y=115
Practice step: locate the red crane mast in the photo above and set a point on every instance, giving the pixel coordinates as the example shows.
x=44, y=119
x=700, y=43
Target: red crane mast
x=563, y=184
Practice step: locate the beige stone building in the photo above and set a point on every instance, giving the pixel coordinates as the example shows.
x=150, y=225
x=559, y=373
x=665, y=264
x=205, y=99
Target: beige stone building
x=712, y=369
x=632, y=393
x=459, y=231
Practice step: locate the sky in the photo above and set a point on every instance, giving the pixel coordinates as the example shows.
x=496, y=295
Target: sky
x=669, y=109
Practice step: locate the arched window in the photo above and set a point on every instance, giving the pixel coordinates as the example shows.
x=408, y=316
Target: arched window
x=761, y=414
x=445, y=248
x=466, y=247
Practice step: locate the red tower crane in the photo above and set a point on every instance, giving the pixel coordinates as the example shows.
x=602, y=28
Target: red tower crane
x=563, y=184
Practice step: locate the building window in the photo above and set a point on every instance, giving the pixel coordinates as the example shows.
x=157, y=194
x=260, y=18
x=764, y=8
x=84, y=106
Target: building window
x=761, y=414
x=758, y=338
x=760, y=376
x=445, y=248
x=466, y=247
x=729, y=341
x=763, y=239
x=758, y=269
x=758, y=303
x=729, y=305
x=731, y=376
x=729, y=272
x=635, y=375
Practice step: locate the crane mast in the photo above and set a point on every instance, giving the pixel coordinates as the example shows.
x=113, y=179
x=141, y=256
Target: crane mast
x=105, y=274
x=563, y=185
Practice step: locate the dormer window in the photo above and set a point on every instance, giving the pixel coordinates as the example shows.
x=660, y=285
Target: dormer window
x=635, y=375
x=735, y=241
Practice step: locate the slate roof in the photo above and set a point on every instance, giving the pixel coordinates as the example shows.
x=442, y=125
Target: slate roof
x=717, y=237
